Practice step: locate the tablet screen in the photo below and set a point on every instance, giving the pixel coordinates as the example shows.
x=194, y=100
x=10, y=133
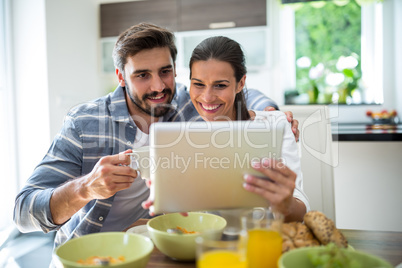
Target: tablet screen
x=200, y=165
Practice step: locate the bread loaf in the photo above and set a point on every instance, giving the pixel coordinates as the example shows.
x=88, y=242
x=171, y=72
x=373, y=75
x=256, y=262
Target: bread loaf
x=297, y=235
x=316, y=230
x=324, y=229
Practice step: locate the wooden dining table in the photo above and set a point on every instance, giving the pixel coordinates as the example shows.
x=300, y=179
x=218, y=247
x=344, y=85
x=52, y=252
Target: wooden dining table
x=386, y=245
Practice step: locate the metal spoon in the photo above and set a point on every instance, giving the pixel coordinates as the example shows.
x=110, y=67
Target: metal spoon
x=174, y=231
x=102, y=261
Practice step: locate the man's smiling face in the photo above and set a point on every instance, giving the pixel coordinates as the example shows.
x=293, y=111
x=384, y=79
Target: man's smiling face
x=149, y=81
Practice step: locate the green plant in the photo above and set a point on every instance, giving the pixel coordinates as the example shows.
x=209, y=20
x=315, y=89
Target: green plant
x=324, y=35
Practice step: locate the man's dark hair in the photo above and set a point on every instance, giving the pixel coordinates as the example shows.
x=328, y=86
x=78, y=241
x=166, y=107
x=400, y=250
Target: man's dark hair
x=140, y=37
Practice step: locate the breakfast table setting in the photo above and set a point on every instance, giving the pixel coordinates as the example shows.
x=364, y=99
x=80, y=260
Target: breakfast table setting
x=231, y=228
x=386, y=245
x=208, y=240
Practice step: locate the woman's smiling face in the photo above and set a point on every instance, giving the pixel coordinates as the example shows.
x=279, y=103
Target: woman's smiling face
x=213, y=89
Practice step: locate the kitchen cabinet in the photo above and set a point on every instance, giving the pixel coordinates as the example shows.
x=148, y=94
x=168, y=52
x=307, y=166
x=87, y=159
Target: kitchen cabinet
x=210, y=14
x=117, y=17
x=182, y=15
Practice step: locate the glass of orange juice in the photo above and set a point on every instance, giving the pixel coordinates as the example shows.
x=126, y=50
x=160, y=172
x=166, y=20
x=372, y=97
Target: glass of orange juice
x=213, y=252
x=264, y=240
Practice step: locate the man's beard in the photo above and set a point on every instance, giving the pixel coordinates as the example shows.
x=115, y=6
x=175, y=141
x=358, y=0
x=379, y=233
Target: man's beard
x=157, y=110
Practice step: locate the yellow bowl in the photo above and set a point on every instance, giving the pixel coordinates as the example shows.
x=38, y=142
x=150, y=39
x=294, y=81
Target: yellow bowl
x=182, y=246
x=136, y=249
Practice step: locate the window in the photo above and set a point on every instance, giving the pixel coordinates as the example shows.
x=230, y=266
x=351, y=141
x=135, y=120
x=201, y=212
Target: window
x=8, y=178
x=337, y=51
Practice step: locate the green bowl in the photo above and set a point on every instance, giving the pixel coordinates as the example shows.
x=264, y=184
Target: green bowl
x=136, y=249
x=182, y=247
x=298, y=258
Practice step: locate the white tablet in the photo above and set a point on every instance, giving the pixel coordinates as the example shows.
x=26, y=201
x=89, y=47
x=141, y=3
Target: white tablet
x=200, y=165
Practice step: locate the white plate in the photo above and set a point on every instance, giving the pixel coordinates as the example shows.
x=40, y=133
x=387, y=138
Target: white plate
x=140, y=229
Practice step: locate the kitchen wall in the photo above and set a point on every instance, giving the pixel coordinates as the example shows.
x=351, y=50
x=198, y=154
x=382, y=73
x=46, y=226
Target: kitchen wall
x=72, y=32
x=56, y=66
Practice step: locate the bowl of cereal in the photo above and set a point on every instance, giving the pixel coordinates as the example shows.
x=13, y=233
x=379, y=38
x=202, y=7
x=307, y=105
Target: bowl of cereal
x=114, y=249
x=174, y=234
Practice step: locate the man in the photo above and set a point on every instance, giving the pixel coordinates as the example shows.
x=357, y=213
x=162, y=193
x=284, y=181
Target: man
x=84, y=184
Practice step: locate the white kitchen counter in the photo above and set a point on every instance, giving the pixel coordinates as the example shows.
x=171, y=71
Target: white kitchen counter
x=368, y=186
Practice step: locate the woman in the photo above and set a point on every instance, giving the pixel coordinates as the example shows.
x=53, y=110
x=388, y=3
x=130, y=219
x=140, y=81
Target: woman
x=218, y=76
